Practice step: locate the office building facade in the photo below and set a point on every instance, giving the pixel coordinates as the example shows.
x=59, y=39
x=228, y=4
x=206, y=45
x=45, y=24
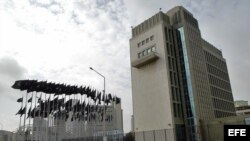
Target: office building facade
x=178, y=78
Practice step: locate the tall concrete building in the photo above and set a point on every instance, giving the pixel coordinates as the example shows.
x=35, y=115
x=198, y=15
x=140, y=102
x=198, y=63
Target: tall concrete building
x=178, y=78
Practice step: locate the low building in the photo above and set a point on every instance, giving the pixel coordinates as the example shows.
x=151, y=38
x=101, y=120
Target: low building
x=6, y=135
x=240, y=103
x=66, y=129
x=213, y=130
x=242, y=107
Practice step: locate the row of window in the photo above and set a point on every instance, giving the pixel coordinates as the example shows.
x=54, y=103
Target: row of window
x=194, y=36
x=205, y=105
x=151, y=38
x=219, y=83
x=146, y=51
x=196, y=51
x=216, y=92
x=215, y=61
x=219, y=114
x=223, y=105
x=242, y=108
x=168, y=34
x=217, y=72
x=190, y=19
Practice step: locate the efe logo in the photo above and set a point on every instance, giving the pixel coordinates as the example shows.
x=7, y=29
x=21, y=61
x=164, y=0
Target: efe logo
x=236, y=132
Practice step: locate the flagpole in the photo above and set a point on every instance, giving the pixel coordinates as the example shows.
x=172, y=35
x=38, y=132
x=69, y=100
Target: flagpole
x=56, y=119
x=34, y=118
x=47, y=122
x=53, y=118
x=64, y=135
x=40, y=119
x=68, y=116
x=62, y=115
x=20, y=122
x=83, y=118
x=25, y=114
x=30, y=112
x=88, y=118
x=80, y=116
x=94, y=112
x=43, y=132
x=78, y=128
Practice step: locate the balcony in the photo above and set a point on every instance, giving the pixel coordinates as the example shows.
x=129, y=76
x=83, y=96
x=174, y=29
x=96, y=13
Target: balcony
x=151, y=57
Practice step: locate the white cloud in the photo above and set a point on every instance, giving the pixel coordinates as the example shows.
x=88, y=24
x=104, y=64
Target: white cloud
x=58, y=41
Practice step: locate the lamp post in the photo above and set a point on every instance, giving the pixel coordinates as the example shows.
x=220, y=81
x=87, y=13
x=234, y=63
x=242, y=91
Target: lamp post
x=104, y=114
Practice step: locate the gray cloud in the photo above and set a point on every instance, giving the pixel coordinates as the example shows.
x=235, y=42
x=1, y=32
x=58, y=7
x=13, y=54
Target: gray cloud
x=10, y=71
x=53, y=6
x=11, y=68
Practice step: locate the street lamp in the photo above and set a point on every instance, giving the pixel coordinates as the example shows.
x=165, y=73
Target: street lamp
x=104, y=128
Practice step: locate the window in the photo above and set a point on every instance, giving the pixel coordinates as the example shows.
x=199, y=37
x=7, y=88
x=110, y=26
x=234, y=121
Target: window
x=170, y=35
x=147, y=40
x=171, y=78
x=168, y=51
x=169, y=63
x=179, y=110
x=174, y=75
x=139, y=44
x=153, y=49
x=175, y=111
x=140, y=55
x=171, y=50
x=177, y=94
x=173, y=93
x=173, y=63
x=143, y=42
x=145, y=53
x=149, y=50
x=151, y=38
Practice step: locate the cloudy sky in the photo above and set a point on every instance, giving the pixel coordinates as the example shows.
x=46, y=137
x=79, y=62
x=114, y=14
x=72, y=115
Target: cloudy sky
x=57, y=40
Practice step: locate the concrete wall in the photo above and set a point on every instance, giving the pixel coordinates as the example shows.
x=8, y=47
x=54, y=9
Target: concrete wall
x=213, y=130
x=150, y=84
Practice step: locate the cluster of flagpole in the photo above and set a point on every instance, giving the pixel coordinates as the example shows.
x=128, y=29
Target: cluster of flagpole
x=51, y=106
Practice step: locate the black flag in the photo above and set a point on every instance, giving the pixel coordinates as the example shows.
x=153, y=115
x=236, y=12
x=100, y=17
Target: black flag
x=19, y=111
x=23, y=111
x=30, y=99
x=29, y=113
x=20, y=100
